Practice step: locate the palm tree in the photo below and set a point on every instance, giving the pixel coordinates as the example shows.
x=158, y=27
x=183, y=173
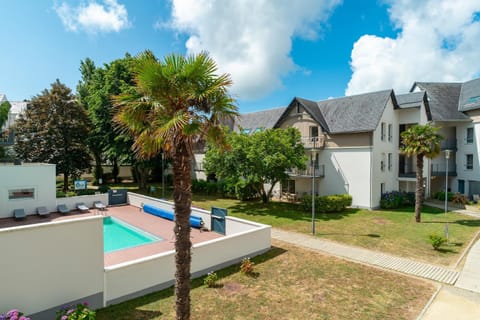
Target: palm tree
x=177, y=102
x=420, y=141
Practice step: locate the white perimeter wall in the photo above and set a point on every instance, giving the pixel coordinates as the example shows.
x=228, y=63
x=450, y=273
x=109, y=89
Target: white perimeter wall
x=127, y=280
x=41, y=177
x=47, y=265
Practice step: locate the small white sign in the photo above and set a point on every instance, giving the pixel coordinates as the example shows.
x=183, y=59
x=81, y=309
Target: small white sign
x=80, y=184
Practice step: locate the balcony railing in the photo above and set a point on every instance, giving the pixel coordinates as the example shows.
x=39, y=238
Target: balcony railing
x=438, y=169
x=308, y=172
x=449, y=144
x=7, y=138
x=313, y=142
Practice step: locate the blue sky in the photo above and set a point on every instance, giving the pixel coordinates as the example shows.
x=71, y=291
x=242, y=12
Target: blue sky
x=274, y=50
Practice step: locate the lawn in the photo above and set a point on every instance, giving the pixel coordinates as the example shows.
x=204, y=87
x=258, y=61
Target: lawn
x=394, y=232
x=291, y=283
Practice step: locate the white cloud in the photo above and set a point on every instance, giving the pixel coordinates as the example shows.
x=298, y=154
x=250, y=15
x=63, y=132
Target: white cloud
x=250, y=39
x=437, y=41
x=94, y=17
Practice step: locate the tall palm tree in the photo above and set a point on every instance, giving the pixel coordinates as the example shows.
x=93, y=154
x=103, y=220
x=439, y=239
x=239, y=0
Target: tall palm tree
x=420, y=141
x=177, y=102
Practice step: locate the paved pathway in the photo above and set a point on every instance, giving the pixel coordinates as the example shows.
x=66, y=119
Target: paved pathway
x=386, y=261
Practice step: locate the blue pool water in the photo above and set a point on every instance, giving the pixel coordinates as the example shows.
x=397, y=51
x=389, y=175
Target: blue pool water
x=119, y=235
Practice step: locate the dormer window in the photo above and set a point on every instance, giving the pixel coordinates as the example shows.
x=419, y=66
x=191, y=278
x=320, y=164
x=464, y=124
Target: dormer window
x=246, y=131
x=469, y=137
x=299, y=108
x=313, y=131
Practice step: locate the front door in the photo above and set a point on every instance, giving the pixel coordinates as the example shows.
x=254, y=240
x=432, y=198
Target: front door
x=461, y=186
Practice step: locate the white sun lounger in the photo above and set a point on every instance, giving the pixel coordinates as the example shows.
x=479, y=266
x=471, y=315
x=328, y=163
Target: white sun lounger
x=81, y=206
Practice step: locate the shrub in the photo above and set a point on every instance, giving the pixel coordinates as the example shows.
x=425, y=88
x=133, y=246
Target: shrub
x=459, y=198
x=13, y=314
x=397, y=199
x=436, y=240
x=331, y=203
x=103, y=188
x=440, y=195
x=80, y=311
x=247, y=266
x=210, y=280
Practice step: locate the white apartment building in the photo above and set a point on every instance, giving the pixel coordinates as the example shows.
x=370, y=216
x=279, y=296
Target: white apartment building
x=354, y=142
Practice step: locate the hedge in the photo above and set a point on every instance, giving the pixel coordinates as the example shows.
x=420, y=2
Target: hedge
x=330, y=203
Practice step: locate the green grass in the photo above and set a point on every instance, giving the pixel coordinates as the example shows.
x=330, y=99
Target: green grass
x=290, y=283
x=393, y=231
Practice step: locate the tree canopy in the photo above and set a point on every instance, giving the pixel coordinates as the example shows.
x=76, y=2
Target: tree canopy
x=420, y=141
x=4, y=109
x=95, y=90
x=176, y=102
x=260, y=159
x=52, y=130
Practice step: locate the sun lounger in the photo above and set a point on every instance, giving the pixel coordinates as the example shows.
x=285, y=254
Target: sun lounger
x=99, y=205
x=81, y=206
x=19, y=213
x=42, y=211
x=62, y=208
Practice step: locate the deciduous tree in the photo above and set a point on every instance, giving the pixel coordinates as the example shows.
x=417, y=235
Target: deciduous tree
x=52, y=130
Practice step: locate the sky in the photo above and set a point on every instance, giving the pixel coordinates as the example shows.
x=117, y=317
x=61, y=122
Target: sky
x=274, y=50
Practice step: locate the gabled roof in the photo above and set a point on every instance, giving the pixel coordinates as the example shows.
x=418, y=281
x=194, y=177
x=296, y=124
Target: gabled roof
x=264, y=119
x=410, y=100
x=442, y=99
x=17, y=107
x=358, y=113
x=3, y=97
x=469, y=96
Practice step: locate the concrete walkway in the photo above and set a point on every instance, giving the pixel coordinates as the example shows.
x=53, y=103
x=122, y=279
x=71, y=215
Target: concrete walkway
x=378, y=259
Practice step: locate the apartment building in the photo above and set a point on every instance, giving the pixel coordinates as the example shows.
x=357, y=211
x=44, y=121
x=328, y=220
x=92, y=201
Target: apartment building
x=353, y=143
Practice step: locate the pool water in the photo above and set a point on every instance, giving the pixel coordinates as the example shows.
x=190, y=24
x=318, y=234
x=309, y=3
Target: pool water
x=118, y=235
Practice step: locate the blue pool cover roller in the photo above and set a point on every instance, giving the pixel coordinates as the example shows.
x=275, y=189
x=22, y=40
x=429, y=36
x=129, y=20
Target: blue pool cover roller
x=195, y=221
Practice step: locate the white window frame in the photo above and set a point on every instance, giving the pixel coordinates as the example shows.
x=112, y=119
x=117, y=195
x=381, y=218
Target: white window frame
x=390, y=132
x=26, y=193
x=469, y=164
x=390, y=161
x=471, y=139
x=382, y=131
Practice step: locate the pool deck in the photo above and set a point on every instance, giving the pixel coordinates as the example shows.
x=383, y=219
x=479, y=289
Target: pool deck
x=133, y=215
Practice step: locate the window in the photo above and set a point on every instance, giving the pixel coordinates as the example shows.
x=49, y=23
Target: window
x=288, y=186
x=382, y=162
x=314, y=131
x=469, y=138
x=469, y=161
x=390, y=161
x=382, y=132
x=382, y=188
x=27, y=193
x=246, y=131
x=390, y=132
x=258, y=130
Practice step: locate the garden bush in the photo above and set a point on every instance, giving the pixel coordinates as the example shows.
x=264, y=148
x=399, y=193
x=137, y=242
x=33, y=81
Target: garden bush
x=330, y=203
x=436, y=240
x=440, y=195
x=397, y=199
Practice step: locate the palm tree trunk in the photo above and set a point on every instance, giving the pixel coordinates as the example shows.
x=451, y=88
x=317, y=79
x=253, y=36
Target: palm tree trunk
x=182, y=197
x=419, y=189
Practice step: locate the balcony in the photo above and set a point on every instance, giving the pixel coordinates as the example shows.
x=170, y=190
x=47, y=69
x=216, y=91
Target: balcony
x=440, y=170
x=449, y=144
x=313, y=142
x=308, y=173
x=7, y=138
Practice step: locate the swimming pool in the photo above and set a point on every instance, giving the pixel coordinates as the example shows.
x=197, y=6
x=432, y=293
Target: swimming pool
x=118, y=235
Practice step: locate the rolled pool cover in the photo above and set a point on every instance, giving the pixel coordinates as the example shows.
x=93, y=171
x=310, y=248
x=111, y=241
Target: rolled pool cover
x=195, y=221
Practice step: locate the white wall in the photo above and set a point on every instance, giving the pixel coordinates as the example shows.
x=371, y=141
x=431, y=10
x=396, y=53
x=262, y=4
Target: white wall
x=464, y=148
x=51, y=264
x=41, y=177
x=71, y=202
x=127, y=280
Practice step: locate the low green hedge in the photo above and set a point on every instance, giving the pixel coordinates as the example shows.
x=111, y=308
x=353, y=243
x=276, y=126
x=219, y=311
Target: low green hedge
x=330, y=203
